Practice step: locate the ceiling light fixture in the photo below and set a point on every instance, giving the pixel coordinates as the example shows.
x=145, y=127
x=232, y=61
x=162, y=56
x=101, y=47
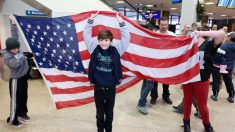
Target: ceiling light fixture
x=149, y=5
x=209, y=3
x=209, y=13
x=223, y=15
x=120, y=2
x=173, y=8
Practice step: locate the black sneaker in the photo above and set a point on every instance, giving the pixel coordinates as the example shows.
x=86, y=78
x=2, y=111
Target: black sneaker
x=24, y=118
x=167, y=100
x=214, y=97
x=153, y=101
x=230, y=99
x=8, y=120
x=15, y=124
x=177, y=110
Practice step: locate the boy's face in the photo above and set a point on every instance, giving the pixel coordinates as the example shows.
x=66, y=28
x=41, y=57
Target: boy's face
x=15, y=51
x=104, y=43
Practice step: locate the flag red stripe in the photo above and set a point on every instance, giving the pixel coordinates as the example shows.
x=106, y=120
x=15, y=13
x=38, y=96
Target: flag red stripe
x=85, y=55
x=73, y=103
x=75, y=90
x=62, y=78
x=82, y=16
x=159, y=63
x=128, y=85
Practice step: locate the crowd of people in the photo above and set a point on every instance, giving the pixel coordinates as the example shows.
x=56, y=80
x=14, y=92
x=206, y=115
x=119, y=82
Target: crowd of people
x=217, y=54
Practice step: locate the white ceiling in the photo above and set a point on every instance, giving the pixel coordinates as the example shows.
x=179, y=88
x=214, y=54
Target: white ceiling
x=166, y=5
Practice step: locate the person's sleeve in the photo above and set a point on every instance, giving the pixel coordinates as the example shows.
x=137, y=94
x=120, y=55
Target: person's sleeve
x=15, y=61
x=125, y=40
x=87, y=35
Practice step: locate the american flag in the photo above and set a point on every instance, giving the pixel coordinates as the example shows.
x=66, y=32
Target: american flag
x=62, y=56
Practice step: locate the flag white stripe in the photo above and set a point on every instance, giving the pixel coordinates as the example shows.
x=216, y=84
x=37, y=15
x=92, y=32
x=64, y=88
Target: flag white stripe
x=54, y=71
x=196, y=78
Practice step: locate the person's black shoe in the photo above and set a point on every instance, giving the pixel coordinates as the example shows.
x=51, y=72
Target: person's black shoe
x=187, y=127
x=24, y=118
x=177, y=109
x=167, y=100
x=197, y=115
x=208, y=128
x=230, y=99
x=214, y=97
x=153, y=101
x=15, y=124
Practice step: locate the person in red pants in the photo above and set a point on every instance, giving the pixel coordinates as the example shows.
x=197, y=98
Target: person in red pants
x=207, y=50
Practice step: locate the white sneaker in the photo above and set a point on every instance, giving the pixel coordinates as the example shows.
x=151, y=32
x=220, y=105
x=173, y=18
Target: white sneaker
x=141, y=109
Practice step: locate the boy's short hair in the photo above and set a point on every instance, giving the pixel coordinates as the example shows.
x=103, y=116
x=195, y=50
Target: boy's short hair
x=12, y=43
x=105, y=34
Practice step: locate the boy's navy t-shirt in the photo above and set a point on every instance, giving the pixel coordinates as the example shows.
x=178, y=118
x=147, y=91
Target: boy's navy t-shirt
x=104, y=70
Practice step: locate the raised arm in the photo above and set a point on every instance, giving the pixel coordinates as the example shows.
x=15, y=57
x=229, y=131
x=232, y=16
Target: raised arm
x=218, y=36
x=87, y=34
x=125, y=40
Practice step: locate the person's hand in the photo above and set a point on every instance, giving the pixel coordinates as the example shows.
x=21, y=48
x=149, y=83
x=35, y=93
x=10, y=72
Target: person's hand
x=94, y=15
x=12, y=18
x=120, y=20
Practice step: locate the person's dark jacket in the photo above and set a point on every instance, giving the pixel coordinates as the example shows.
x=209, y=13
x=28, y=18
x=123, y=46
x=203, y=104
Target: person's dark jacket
x=117, y=71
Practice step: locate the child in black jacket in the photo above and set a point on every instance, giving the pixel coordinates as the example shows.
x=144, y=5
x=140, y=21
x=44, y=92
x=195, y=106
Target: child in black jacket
x=105, y=70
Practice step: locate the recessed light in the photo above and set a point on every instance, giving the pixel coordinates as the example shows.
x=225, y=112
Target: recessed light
x=173, y=8
x=209, y=3
x=149, y=5
x=209, y=13
x=223, y=15
x=120, y=2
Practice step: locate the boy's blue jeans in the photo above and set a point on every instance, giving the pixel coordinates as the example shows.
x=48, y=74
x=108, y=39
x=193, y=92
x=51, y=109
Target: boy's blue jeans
x=146, y=88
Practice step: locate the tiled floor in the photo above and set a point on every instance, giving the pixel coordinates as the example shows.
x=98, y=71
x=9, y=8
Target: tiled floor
x=161, y=118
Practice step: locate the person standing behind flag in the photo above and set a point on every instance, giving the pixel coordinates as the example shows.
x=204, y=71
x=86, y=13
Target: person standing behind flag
x=163, y=24
x=105, y=70
x=17, y=62
x=207, y=51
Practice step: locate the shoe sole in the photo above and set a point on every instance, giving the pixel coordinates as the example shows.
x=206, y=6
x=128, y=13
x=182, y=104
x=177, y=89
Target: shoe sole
x=143, y=112
x=16, y=126
x=23, y=120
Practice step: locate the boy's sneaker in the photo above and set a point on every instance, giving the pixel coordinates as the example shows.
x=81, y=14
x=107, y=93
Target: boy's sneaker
x=214, y=97
x=24, y=118
x=15, y=124
x=143, y=110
